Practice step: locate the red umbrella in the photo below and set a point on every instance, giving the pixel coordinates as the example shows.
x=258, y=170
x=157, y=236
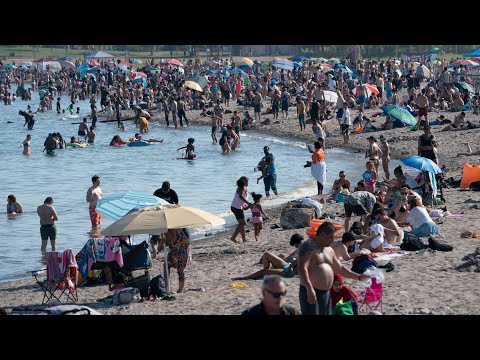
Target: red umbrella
x=92, y=62
x=465, y=62
x=44, y=59
x=175, y=62
x=138, y=75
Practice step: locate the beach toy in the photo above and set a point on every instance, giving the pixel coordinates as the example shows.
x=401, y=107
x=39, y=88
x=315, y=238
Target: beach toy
x=359, y=130
x=238, y=285
x=315, y=223
x=138, y=143
x=77, y=145
x=367, y=176
x=470, y=174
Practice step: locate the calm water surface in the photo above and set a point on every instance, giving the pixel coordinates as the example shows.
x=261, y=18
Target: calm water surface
x=208, y=183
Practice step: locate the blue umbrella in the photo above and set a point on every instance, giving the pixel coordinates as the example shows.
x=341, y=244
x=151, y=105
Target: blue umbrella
x=421, y=163
x=228, y=67
x=434, y=49
x=473, y=53
x=245, y=67
x=65, y=58
x=118, y=205
x=142, y=80
x=9, y=66
x=300, y=58
x=239, y=71
x=399, y=113
x=297, y=64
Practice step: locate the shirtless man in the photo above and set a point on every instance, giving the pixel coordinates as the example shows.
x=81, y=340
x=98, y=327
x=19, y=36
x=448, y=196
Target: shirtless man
x=216, y=122
x=374, y=152
x=236, y=123
x=392, y=232
x=361, y=95
x=422, y=102
x=316, y=264
x=385, y=156
x=48, y=216
x=94, y=194
x=83, y=128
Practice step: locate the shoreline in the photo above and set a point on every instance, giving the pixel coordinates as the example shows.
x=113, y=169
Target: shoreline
x=424, y=282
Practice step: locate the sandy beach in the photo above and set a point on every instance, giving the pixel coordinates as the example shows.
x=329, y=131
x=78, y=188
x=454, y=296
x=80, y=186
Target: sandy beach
x=424, y=282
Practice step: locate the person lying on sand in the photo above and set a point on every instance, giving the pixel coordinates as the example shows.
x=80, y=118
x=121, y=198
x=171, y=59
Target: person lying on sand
x=469, y=151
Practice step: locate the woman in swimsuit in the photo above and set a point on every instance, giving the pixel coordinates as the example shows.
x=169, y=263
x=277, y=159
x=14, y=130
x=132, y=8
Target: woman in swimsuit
x=26, y=145
x=257, y=213
x=399, y=211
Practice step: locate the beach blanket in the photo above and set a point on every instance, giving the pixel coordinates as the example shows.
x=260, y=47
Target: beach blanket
x=105, y=249
x=387, y=256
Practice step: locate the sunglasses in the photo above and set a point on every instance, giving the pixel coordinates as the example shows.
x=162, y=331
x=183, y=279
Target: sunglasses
x=276, y=295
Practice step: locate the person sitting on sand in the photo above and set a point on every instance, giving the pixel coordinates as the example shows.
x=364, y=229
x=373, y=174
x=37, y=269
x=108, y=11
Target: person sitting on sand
x=275, y=265
x=374, y=242
x=392, y=232
x=420, y=220
x=341, y=247
x=458, y=123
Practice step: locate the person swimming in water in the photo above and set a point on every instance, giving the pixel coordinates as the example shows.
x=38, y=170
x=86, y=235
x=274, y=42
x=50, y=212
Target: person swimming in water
x=190, y=149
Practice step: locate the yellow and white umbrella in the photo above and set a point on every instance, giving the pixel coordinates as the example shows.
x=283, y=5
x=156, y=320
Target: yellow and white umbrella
x=193, y=85
x=247, y=61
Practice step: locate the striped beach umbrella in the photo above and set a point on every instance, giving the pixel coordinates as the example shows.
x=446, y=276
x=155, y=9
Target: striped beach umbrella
x=118, y=205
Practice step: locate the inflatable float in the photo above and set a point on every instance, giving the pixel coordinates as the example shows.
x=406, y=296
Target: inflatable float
x=315, y=223
x=138, y=143
x=77, y=145
x=182, y=158
x=470, y=174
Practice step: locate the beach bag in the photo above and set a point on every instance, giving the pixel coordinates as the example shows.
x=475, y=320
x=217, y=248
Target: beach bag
x=125, y=296
x=343, y=308
x=157, y=287
x=475, y=186
x=141, y=283
x=439, y=246
x=363, y=262
x=412, y=243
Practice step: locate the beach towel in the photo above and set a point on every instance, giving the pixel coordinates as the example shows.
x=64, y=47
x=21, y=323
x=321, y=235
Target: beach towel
x=319, y=172
x=58, y=262
x=313, y=203
x=99, y=250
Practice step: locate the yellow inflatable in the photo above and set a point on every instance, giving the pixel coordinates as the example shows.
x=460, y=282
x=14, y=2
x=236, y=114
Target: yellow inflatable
x=470, y=174
x=143, y=124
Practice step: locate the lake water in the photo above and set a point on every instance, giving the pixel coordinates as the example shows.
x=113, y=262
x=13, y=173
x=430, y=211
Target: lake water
x=208, y=183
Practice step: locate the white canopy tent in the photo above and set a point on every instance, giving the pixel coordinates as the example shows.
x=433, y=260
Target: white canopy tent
x=100, y=55
x=44, y=67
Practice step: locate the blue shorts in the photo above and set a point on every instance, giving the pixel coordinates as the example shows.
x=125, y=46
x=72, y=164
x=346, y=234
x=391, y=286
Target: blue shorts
x=426, y=229
x=362, y=99
x=287, y=272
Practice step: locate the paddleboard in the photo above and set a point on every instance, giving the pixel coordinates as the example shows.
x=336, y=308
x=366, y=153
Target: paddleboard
x=181, y=158
x=138, y=143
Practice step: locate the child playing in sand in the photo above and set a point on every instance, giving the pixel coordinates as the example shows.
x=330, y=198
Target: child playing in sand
x=264, y=166
x=370, y=177
x=257, y=211
x=190, y=149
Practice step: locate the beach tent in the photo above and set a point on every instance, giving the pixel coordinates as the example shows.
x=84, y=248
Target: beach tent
x=283, y=65
x=100, y=55
x=300, y=58
x=44, y=66
x=473, y=53
x=400, y=114
x=67, y=64
x=464, y=86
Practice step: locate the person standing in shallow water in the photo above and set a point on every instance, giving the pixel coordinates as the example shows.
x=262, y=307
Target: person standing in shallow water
x=94, y=193
x=48, y=216
x=239, y=204
x=26, y=145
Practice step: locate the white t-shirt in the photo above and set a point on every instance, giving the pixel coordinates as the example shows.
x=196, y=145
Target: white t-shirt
x=346, y=117
x=418, y=216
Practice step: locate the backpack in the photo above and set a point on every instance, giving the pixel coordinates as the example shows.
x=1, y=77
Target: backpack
x=157, y=287
x=141, y=283
x=437, y=245
x=475, y=186
x=412, y=243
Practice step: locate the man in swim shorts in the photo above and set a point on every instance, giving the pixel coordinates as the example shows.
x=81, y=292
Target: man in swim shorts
x=316, y=265
x=94, y=193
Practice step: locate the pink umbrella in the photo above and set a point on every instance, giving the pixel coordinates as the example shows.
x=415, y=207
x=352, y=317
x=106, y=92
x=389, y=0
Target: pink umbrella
x=92, y=62
x=175, y=62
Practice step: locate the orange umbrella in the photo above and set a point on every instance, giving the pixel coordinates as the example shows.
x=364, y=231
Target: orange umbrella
x=465, y=62
x=175, y=62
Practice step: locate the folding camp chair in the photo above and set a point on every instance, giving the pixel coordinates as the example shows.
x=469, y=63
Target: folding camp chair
x=61, y=279
x=370, y=299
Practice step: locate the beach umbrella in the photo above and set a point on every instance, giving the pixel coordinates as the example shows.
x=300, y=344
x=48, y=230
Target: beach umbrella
x=330, y=96
x=434, y=49
x=92, y=62
x=297, y=64
x=118, y=205
x=136, y=61
x=174, y=62
x=9, y=66
x=193, y=85
x=300, y=58
x=158, y=219
x=44, y=59
x=370, y=89
x=67, y=64
x=423, y=70
x=462, y=85
x=421, y=163
x=100, y=55
x=464, y=62
x=283, y=65
x=239, y=71
x=247, y=61
x=142, y=80
x=400, y=114
x=334, y=60
x=65, y=58
x=473, y=53
x=137, y=75
x=199, y=79
x=245, y=67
